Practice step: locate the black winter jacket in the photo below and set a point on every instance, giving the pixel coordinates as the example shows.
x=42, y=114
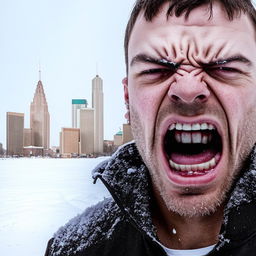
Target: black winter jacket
x=122, y=225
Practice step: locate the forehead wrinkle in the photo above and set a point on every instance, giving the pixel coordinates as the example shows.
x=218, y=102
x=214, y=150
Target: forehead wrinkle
x=185, y=46
x=206, y=53
x=204, y=44
x=208, y=56
x=199, y=51
x=208, y=43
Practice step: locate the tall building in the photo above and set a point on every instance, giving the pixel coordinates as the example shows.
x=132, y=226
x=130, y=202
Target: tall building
x=27, y=137
x=76, y=105
x=118, y=139
x=14, y=131
x=40, y=118
x=108, y=146
x=1, y=149
x=127, y=133
x=97, y=104
x=69, y=141
x=86, y=131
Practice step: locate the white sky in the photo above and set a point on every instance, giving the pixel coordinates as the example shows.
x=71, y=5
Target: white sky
x=68, y=37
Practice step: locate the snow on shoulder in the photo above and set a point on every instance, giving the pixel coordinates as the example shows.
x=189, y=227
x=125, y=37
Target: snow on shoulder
x=85, y=229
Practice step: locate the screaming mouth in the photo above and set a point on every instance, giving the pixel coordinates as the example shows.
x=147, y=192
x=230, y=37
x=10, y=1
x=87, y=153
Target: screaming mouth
x=192, y=149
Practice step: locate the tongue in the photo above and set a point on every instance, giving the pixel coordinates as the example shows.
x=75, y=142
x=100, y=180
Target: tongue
x=203, y=157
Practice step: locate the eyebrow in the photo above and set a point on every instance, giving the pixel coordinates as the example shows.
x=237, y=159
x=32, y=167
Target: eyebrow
x=237, y=58
x=143, y=58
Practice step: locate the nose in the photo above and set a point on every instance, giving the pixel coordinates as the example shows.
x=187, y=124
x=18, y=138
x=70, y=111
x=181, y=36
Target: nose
x=189, y=88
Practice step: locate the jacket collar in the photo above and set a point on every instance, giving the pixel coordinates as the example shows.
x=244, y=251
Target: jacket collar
x=239, y=221
x=127, y=178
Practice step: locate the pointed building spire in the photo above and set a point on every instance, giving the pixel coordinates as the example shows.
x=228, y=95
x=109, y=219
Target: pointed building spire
x=39, y=117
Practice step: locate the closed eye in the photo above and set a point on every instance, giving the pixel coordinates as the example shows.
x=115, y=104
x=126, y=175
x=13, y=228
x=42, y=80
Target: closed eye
x=223, y=72
x=226, y=69
x=157, y=74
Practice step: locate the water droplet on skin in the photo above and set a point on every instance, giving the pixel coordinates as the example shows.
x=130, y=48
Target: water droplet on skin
x=174, y=231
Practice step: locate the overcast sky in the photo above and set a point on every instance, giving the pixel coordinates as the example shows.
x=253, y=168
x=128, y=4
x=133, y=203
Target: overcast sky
x=68, y=38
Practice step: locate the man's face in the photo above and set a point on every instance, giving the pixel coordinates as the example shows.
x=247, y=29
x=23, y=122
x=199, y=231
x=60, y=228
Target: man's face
x=191, y=89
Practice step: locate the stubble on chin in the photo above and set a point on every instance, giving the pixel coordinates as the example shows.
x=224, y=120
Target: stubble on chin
x=190, y=202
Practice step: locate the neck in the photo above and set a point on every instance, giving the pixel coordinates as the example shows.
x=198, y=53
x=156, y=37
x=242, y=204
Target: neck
x=181, y=232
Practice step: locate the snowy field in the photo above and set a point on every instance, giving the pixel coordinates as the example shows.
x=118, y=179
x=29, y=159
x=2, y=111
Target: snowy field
x=38, y=196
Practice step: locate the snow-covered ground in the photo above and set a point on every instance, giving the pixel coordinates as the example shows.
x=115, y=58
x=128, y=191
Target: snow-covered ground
x=37, y=196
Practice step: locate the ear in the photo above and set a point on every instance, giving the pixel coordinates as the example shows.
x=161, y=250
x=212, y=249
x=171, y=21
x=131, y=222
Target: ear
x=126, y=94
x=126, y=98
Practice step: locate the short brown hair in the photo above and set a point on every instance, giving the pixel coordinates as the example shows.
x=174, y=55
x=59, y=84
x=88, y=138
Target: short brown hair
x=151, y=8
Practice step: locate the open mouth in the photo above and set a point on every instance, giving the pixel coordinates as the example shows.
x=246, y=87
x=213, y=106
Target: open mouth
x=192, y=149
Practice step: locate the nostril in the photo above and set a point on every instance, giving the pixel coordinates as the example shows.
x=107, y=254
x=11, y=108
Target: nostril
x=175, y=97
x=188, y=90
x=201, y=97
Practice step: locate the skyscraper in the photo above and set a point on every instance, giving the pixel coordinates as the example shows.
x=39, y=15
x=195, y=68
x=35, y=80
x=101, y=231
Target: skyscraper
x=76, y=105
x=86, y=131
x=27, y=137
x=14, y=130
x=127, y=133
x=97, y=104
x=69, y=141
x=1, y=149
x=40, y=118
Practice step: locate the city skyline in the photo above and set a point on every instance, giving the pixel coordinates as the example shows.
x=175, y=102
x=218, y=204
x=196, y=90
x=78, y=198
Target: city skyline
x=88, y=122
x=68, y=39
x=96, y=82
x=84, y=138
x=86, y=135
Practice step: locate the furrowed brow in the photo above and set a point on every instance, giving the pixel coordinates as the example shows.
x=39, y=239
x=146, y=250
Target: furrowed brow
x=237, y=58
x=143, y=58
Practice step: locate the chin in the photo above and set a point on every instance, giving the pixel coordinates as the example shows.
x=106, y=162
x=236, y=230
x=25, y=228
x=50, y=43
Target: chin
x=192, y=202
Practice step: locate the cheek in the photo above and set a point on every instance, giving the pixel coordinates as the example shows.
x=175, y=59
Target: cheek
x=244, y=106
x=146, y=101
x=238, y=104
x=240, y=109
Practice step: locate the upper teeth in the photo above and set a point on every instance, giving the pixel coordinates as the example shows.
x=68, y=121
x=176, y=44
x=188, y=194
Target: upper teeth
x=192, y=133
x=191, y=127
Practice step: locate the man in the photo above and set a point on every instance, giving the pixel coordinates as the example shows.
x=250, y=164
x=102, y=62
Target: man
x=190, y=91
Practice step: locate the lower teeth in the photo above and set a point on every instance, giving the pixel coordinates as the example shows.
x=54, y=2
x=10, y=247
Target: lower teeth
x=194, y=173
x=195, y=168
